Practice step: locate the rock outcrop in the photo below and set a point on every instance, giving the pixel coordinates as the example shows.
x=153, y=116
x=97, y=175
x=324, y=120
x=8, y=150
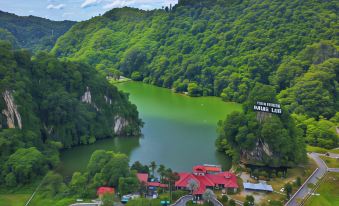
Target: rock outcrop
x=119, y=125
x=11, y=111
x=108, y=100
x=87, y=97
x=258, y=154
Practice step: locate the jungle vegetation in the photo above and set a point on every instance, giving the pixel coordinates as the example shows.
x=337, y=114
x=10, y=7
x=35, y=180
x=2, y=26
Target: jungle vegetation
x=31, y=32
x=48, y=95
x=241, y=50
x=224, y=48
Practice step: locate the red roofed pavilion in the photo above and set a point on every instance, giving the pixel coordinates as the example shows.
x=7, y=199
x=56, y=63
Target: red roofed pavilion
x=207, y=177
x=143, y=177
x=151, y=185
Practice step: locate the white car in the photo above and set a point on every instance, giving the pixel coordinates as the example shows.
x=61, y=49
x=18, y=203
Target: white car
x=282, y=189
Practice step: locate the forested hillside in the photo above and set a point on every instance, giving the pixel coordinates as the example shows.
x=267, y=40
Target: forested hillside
x=217, y=47
x=223, y=48
x=31, y=32
x=49, y=104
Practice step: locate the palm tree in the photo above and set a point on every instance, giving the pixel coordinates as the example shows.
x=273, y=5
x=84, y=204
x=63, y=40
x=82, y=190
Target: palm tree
x=171, y=177
x=153, y=166
x=208, y=195
x=161, y=171
x=192, y=185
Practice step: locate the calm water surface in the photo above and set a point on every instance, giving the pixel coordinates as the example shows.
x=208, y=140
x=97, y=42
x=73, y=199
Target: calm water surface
x=179, y=131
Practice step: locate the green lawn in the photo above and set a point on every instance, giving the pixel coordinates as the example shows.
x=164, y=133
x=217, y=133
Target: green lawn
x=13, y=199
x=336, y=151
x=330, y=162
x=321, y=150
x=310, y=148
x=328, y=190
x=49, y=201
x=17, y=196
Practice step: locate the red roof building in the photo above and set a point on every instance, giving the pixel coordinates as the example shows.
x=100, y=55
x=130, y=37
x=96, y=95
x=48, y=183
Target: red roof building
x=207, y=177
x=143, y=177
x=103, y=190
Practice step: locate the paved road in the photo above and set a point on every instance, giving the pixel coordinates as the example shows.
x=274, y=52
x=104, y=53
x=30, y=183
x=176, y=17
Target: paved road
x=333, y=169
x=304, y=190
x=183, y=200
x=334, y=155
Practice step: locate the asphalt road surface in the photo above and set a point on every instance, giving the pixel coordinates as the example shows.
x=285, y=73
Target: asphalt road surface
x=185, y=199
x=182, y=201
x=302, y=193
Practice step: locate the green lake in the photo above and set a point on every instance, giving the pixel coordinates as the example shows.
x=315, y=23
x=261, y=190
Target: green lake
x=179, y=131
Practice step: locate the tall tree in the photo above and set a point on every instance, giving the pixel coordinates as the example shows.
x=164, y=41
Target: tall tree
x=208, y=195
x=153, y=167
x=161, y=171
x=192, y=185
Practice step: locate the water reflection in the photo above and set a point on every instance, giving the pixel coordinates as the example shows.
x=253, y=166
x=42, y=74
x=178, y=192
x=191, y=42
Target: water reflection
x=179, y=131
x=76, y=159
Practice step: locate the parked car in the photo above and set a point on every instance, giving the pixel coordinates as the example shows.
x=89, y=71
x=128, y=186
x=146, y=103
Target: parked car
x=125, y=199
x=129, y=197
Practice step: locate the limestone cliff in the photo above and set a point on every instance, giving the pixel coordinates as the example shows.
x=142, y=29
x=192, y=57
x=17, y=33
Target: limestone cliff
x=61, y=101
x=258, y=154
x=10, y=111
x=120, y=124
x=87, y=97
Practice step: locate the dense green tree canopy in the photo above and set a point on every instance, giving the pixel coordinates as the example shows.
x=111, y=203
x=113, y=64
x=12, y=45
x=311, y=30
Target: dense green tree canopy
x=105, y=168
x=48, y=104
x=24, y=164
x=222, y=48
x=51, y=95
x=30, y=32
x=281, y=51
x=310, y=81
x=261, y=138
x=208, y=47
